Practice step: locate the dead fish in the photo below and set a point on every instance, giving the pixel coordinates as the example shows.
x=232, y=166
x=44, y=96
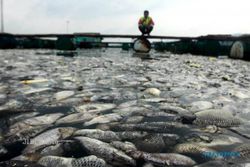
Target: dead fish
x=14, y=163
x=243, y=130
x=75, y=118
x=200, y=106
x=159, y=114
x=53, y=161
x=127, y=112
x=159, y=117
x=243, y=150
x=154, y=100
x=220, y=140
x=164, y=159
x=104, y=119
x=219, y=118
x=30, y=157
x=196, y=137
x=195, y=149
x=71, y=101
x=30, y=123
x=183, y=115
x=53, y=150
x=173, y=109
x=130, y=135
x=128, y=104
x=63, y=95
x=211, y=129
x=151, y=143
x=105, y=151
x=156, y=127
x=62, y=148
x=23, y=135
x=169, y=139
x=21, y=117
x=14, y=106
x=37, y=90
x=106, y=136
x=133, y=119
x=90, y=161
x=95, y=108
x=221, y=163
x=127, y=147
x=50, y=137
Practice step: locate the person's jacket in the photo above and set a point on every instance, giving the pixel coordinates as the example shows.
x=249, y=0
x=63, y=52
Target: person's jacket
x=146, y=21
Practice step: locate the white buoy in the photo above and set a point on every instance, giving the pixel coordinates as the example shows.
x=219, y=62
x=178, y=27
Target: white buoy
x=237, y=50
x=142, y=45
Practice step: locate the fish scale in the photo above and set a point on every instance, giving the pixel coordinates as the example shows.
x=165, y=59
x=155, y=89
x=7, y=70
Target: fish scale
x=244, y=151
x=91, y=161
x=217, y=117
x=53, y=161
x=194, y=149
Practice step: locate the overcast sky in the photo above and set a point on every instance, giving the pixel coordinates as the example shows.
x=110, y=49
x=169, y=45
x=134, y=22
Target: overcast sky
x=172, y=17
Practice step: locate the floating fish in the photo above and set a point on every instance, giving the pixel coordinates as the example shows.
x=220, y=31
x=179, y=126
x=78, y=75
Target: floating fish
x=25, y=134
x=151, y=143
x=243, y=150
x=53, y=161
x=14, y=163
x=90, y=161
x=95, y=108
x=63, y=95
x=21, y=117
x=106, y=136
x=129, y=111
x=196, y=150
x=164, y=159
x=104, y=150
x=76, y=118
x=217, y=117
x=30, y=123
x=131, y=135
x=155, y=127
x=14, y=106
x=104, y=119
x=127, y=147
x=51, y=137
x=38, y=90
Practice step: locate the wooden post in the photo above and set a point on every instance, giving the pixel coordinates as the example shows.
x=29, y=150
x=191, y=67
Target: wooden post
x=2, y=17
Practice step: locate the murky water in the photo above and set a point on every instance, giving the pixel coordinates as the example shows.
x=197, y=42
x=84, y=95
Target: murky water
x=113, y=108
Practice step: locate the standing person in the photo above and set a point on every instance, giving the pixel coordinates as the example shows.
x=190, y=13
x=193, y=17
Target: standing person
x=146, y=24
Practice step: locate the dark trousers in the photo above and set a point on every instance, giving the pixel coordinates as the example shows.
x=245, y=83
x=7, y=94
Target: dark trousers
x=146, y=29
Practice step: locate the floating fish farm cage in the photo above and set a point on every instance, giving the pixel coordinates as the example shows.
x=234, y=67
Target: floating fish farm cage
x=211, y=45
x=207, y=47
x=196, y=47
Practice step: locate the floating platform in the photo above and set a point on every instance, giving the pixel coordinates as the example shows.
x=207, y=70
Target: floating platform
x=210, y=45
